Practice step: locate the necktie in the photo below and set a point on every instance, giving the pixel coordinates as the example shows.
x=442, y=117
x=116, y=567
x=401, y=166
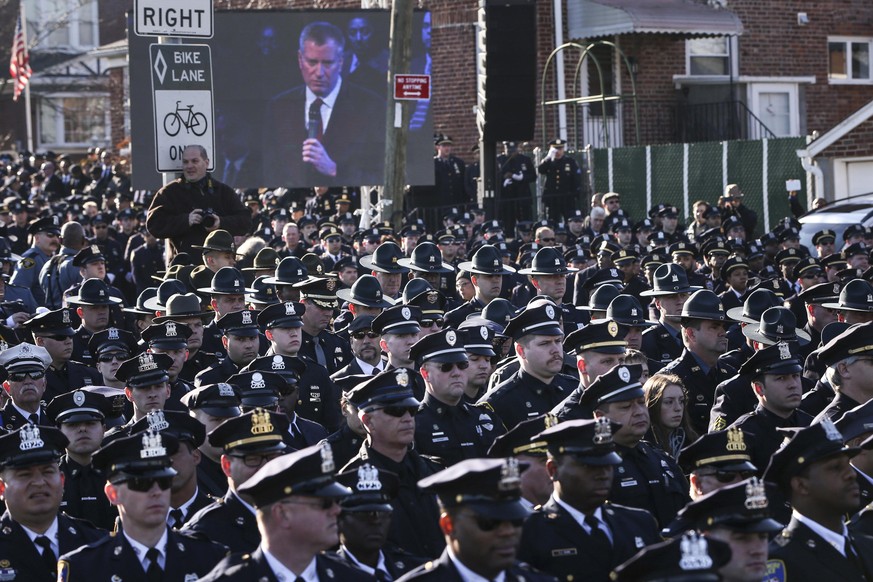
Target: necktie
x=154, y=572
x=383, y=576
x=319, y=352
x=48, y=555
x=376, y=371
x=316, y=125
x=855, y=559
x=599, y=540
x=177, y=516
x=34, y=418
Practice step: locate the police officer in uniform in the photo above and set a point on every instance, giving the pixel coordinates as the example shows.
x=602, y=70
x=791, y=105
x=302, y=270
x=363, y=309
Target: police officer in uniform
x=487, y=275
x=25, y=365
x=33, y=533
x=562, y=173
x=548, y=274
x=578, y=529
x=647, y=477
x=241, y=339
x=685, y=557
x=80, y=415
x=171, y=339
x=139, y=478
x=93, y=304
x=319, y=344
x=45, y=232
x=516, y=172
x=145, y=386
x=813, y=471
x=296, y=500
x=845, y=355
x=663, y=343
x=447, y=427
x=185, y=308
x=448, y=173
x=481, y=521
x=538, y=385
x=248, y=442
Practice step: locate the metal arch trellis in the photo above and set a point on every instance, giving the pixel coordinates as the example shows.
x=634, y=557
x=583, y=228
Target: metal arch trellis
x=602, y=97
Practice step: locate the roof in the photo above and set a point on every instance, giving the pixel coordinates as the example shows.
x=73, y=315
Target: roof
x=590, y=19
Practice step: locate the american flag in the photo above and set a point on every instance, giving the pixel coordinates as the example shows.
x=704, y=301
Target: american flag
x=19, y=65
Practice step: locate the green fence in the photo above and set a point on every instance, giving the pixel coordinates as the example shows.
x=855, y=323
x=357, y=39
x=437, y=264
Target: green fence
x=680, y=174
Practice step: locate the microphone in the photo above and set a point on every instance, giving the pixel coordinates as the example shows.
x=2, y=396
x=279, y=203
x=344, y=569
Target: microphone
x=314, y=124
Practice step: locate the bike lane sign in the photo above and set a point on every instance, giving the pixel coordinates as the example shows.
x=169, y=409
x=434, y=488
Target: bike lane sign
x=182, y=97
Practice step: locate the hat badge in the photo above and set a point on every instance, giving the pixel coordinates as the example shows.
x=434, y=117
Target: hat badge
x=225, y=390
x=451, y=338
x=65, y=316
x=612, y=329
x=675, y=278
x=246, y=317
x=78, y=398
x=157, y=421
x=633, y=311
x=101, y=293
x=152, y=445
x=735, y=439
x=278, y=363
x=170, y=329
x=258, y=381
x=784, y=351
x=368, y=478
x=510, y=475
x=496, y=262
x=756, y=495
x=289, y=309
x=95, y=249
x=831, y=431
x=30, y=439
x=402, y=378
x=261, y=422
x=695, y=555
x=624, y=374
x=327, y=463
x=406, y=313
x=602, y=431
x=432, y=296
x=25, y=349
x=113, y=333
x=483, y=331
x=147, y=362
x=550, y=312
x=330, y=284
x=431, y=259
x=780, y=328
x=557, y=262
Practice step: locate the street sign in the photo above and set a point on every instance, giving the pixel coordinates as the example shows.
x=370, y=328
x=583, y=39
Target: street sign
x=182, y=95
x=414, y=87
x=188, y=18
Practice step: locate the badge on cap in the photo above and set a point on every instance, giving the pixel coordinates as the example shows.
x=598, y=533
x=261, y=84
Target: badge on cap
x=831, y=431
x=695, y=555
x=225, y=390
x=261, y=422
x=451, y=338
x=25, y=348
x=784, y=351
x=170, y=329
x=756, y=495
x=624, y=374
x=289, y=309
x=246, y=317
x=602, y=431
x=258, y=381
x=113, y=333
x=327, y=464
x=278, y=363
x=510, y=475
x=483, y=331
x=331, y=285
x=432, y=296
x=368, y=478
x=402, y=378
x=78, y=398
x=152, y=445
x=550, y=312
x=612, y=328
x=735, y=439
x=30, y=439
x=65, y=316
x=147, y=362
x=157, y=421
x=406, y=313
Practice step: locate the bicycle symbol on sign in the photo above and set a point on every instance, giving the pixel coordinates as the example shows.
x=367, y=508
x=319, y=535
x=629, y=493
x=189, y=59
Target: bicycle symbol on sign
x=193, y=122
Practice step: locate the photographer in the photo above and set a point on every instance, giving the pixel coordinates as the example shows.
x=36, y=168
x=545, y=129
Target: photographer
x=186, y=210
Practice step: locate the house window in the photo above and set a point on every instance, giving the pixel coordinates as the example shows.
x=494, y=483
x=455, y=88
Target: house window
x=63, y=25
x=849, y=60
x=711, y=56
x=73, y=120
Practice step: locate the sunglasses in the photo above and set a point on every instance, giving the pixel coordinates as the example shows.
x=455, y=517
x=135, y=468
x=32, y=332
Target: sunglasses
x=21, y=376
x=730, y=476
x=399, y=411
x=359, y=335
x=446, y=367
x=433, y=322
x=490, y=524
x=144, y=484
x=323, y=503
x=110, y=357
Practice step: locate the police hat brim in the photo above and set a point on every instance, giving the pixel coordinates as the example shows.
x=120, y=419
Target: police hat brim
x=64, y=331
x=441, y=268
x=169, y=343
x=221, y=411
x=213, y=291
x=204, y=316
x=559, y=271
x=36, y=457
x=765, y=525
x=840, y=307
x=411, y=327
x=585, y=457
x=242, y=331
x=346, y=295
x=264, y=302
x=79, y=300
x=470, y=267
x=329, y=489
x=660, y=292
x=148, y=379
x=80, y=416
x=732, y=465
x=255, y=400
x=268, y=447
x=508, y=509
x=736, y=314
x=352, y=505
x=367, y=263
x=132, y=472
x=389, y=400
x=754, y=334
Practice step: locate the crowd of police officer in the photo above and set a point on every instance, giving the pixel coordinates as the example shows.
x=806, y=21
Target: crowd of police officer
x=300, y=399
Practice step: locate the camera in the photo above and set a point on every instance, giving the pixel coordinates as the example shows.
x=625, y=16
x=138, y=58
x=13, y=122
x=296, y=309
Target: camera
x=208, y=218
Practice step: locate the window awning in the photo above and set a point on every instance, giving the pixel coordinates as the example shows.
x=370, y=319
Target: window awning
x=591, y=19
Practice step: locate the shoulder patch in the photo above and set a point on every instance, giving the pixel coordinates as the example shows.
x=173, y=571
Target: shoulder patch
x=775, y=571
x=26, y=263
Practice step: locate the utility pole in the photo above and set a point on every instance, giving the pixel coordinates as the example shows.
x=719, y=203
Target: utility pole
x=398, y=112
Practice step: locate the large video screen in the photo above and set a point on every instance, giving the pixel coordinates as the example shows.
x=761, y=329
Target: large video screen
x=300, y=100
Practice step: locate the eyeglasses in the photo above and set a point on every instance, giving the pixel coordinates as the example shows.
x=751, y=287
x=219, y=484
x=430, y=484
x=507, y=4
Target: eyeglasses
x=446, y=367
x=255, y=460
x=359, y=335
x=729, y=476
x=490, y=524
x=433, y=322
x=399, y=411
x=109, y=357
x=144, y=484
x=323, y=503
x=21, y=376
